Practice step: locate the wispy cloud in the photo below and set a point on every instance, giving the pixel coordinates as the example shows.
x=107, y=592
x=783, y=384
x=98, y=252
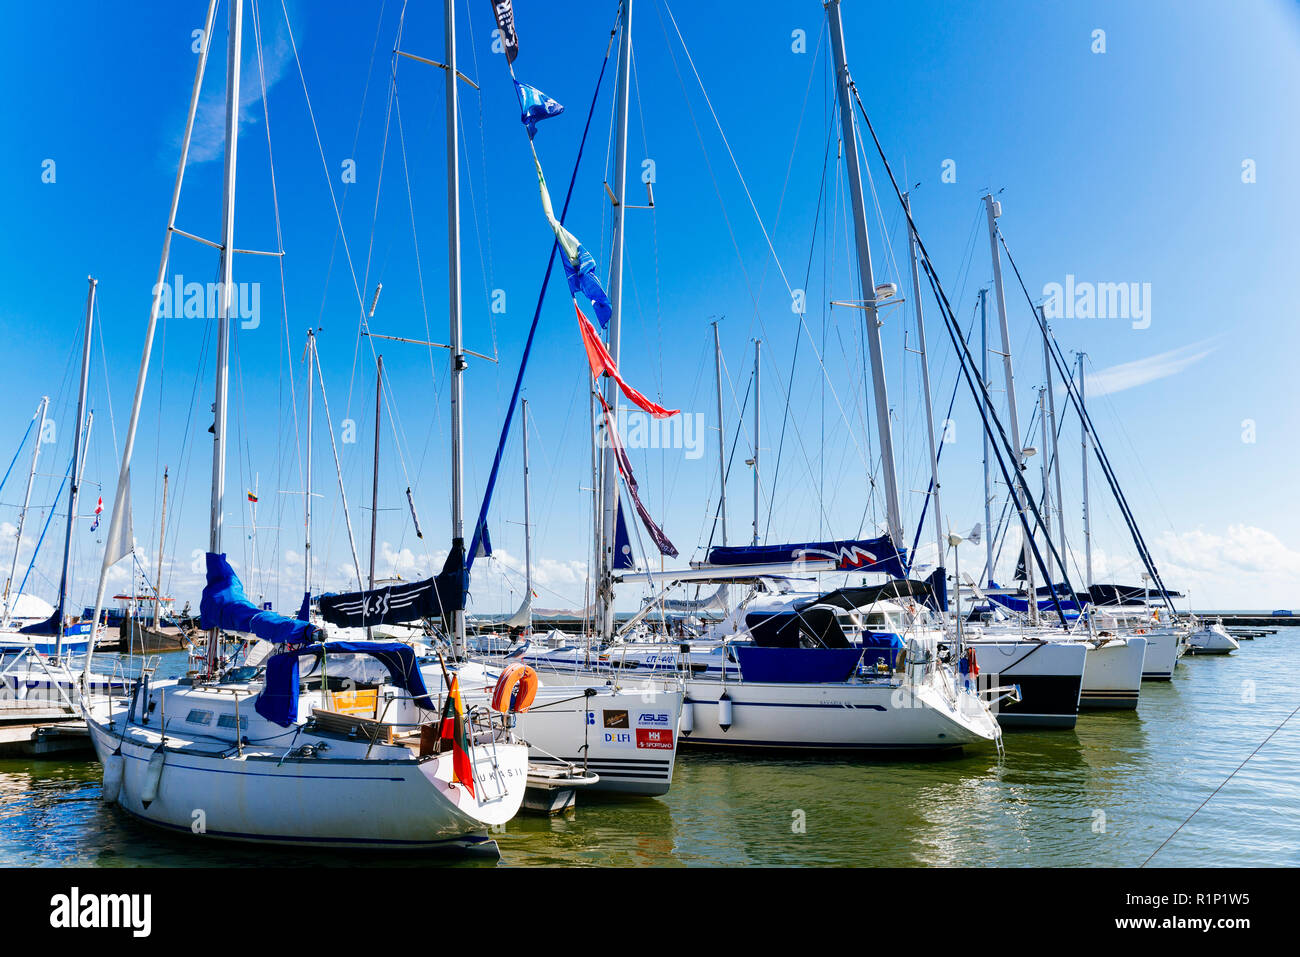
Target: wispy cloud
x=1130, y=375
x=208, y=140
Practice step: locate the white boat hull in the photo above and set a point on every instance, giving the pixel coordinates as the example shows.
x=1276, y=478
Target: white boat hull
x=1164, y=647
x=267, y=796
x=1049, y=675
x=835, y=717
x=1112, y=677
x=1211, y=640
x=628, y=736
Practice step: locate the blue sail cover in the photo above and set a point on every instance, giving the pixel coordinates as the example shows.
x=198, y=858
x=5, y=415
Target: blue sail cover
x=1071, y=608
x=866, y=555
x=938, y=582
x=224, y=605
x=278, y=700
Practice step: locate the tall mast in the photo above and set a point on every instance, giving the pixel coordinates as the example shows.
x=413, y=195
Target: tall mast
x=528, y=530
x=75, y=487
x=722, y=451
x=223, y=308
x=162, y=537
x=925, y=383
x=1056, y=452
x=311, y=388
x=758, y=346
x=992, y=211
x=122, y=503
x=1084, y=437
x=849, y=135
x=1046, y=465
x=10, y=597
x=984, y=392
x=592, y=587
x=609, y=468
x=374, y=487
x=458, y=363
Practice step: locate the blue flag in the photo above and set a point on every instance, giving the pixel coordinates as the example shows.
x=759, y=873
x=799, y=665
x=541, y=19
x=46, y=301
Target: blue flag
x=537, y=106
x=583, y=279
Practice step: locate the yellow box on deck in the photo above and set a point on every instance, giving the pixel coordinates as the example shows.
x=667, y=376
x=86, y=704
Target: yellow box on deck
x=362, y=703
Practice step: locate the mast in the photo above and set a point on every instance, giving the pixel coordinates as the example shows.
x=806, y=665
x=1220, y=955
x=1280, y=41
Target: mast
x=1056, y=451
x=458, y=363
x=592, y=586
x=92, y=282
x=1084, y=437
x=925, y=382
x=722, y=450
x=162, y=535
x=311, y=387
x=374, y=487
x=223, y=308
x=849, y=134
x=609, y=468
x=122, y=504
x=988, y=490
x=758, y=345
x=1047, y=498
x=10, y=597
x=993, y=210
x=528, y=531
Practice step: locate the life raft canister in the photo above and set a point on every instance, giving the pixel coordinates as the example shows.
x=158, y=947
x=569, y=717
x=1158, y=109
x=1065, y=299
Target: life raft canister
x=515, y=690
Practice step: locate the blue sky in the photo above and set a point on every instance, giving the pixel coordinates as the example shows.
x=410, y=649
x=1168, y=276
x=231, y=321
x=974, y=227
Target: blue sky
x=1117, y=166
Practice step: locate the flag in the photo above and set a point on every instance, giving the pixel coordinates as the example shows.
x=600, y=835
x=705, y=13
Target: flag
x=252, y=498
x=99, y=508
x=579, y=266
x=536, y=106
x=582, y=278
x=504, y=12
x=455, y=733
x=602, y=363
x=656, y=533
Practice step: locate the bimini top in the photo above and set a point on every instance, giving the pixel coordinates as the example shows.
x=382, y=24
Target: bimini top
x=224, y=605
x=278, y=700
x=866, y=555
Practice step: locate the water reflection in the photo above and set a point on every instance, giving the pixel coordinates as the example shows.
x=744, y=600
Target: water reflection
x=1107, y=793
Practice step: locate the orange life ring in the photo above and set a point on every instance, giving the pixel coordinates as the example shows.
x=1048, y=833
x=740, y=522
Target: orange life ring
x=515, y=690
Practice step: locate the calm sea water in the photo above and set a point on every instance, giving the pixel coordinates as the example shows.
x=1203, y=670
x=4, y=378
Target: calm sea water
x=1108, y=793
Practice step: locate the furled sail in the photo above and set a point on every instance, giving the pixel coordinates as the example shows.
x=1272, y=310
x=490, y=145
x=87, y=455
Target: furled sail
x=392, y=604
x=865, y=555
x=224, y=605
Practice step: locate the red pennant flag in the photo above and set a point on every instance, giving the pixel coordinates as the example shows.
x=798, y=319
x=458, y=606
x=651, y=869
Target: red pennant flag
x=602, y=363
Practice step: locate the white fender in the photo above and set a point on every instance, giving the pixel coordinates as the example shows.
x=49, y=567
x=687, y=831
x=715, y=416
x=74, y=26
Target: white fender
x=114, y=768
x=153, y=777
x=724, y=712
x=686, y=723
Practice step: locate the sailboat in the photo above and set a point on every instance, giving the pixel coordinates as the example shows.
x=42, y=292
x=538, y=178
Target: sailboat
x=267, y=753
x=788, y=670
x=37, y=678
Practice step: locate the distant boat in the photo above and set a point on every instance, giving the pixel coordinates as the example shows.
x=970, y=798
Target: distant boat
x=1283, y=612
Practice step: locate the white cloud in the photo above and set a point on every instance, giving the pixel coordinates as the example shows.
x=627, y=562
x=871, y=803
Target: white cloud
x=1246, y=567
x=1130, y=375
